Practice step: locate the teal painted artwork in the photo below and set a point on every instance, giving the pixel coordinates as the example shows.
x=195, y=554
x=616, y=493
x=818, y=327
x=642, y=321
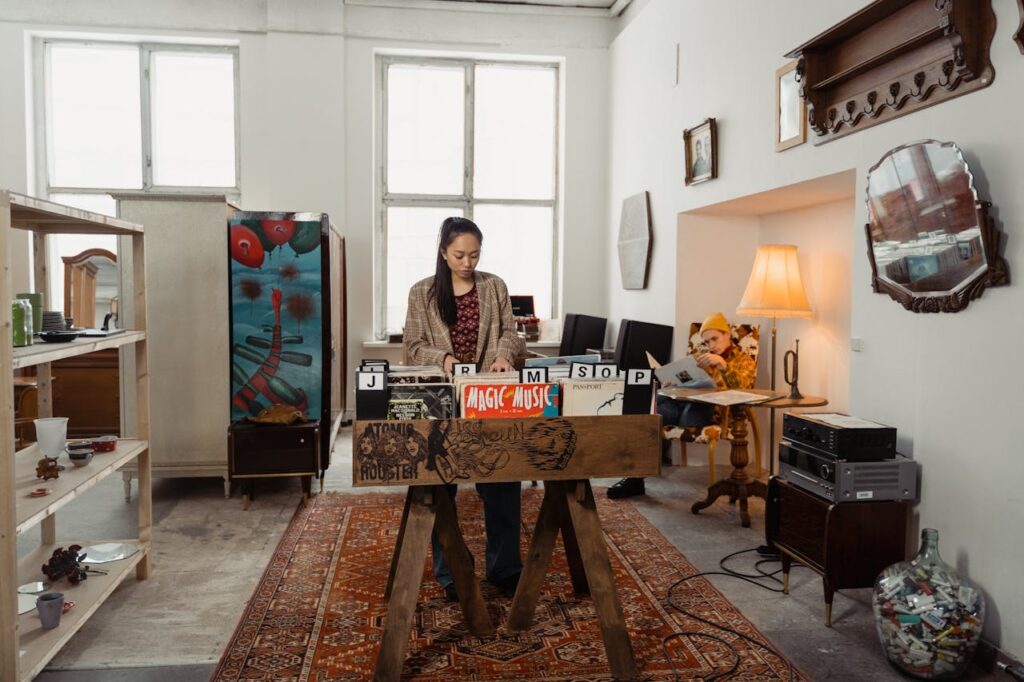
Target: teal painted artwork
x=276, y=315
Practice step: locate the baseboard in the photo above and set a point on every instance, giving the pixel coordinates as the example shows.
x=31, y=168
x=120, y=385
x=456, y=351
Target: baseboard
x=989, y=656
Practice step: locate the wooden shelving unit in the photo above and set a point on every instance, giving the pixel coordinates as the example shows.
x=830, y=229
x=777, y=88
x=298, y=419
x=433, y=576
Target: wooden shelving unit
x=25, y=648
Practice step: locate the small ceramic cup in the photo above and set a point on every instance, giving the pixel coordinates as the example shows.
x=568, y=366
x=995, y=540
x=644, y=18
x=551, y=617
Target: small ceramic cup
x=50, y=607
x=52, y=433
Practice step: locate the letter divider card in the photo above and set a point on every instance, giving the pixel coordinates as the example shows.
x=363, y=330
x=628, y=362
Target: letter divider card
x=371, y=394
x=638, y=393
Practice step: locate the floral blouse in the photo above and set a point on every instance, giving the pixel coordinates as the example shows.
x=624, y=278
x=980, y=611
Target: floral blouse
x=467, y=326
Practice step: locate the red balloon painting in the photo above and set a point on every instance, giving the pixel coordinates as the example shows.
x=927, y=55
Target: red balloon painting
x=246, y=247
x=278, y=231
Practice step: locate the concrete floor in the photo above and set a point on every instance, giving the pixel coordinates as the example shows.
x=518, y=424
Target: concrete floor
x=208, y=555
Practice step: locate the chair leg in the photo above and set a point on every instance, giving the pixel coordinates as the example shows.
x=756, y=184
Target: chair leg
x=682, y=452
x=712, y=478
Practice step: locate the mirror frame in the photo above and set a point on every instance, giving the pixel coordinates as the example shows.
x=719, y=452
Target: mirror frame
x=995, y=274
x=79, y=259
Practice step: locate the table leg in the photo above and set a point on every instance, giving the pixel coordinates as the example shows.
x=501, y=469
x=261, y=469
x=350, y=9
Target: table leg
x=412, y=552
x=739, y=485
x=553, y=513
x=584, y=519
x=398, y=546
x=577, y=573
x=460, y=563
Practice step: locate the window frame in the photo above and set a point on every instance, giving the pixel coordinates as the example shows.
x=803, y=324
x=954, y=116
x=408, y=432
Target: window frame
x=465, y=201
x=41, y=101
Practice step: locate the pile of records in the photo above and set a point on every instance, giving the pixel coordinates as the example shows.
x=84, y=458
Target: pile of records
x=53, y=321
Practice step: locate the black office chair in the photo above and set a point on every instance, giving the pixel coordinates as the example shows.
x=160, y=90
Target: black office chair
x=637, y=339
x=580, y=332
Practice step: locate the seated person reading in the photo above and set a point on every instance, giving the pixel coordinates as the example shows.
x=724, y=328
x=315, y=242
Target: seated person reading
x=726, y=364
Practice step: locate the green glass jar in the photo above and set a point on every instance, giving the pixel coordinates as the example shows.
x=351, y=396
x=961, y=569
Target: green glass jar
x=929, y=617
x=21, y=322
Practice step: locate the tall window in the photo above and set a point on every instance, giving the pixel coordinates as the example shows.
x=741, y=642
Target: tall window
x=130, y=116
x=468, y=138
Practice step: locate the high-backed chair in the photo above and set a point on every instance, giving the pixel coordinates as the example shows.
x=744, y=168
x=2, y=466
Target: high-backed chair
x=580, y=332
x=637, y=339
x=746, y=338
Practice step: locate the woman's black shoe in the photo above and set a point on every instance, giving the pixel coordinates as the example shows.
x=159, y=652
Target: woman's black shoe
x=450, y=594
x=627, y=487
x=507, y=586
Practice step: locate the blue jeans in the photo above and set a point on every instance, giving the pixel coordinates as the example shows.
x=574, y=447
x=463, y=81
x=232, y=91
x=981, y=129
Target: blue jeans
x=687, y=413
x=502, y=522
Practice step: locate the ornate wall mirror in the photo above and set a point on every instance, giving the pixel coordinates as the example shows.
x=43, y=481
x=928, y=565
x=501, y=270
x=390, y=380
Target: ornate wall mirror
x=91, y=288
x=931, y=243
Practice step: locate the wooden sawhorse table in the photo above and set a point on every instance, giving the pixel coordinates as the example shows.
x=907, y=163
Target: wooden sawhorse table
x=553, y=450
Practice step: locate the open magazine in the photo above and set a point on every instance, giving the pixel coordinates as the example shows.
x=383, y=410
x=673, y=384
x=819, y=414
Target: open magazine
x=686, y=369
x=679, y=372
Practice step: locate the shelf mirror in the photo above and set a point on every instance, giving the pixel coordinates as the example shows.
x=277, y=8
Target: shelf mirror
x=91, y=288
x=931, y=243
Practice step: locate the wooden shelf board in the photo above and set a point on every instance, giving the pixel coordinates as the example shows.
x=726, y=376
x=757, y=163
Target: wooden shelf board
x=36, y=645
x=39, y=215
x=73, y=480
x=41, y=352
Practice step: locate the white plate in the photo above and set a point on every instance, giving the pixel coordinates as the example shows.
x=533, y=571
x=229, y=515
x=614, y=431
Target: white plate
x=26, y=603
x=107, y=552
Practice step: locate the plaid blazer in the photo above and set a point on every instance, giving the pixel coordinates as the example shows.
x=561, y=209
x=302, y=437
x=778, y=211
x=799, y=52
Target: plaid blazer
x=427, y=337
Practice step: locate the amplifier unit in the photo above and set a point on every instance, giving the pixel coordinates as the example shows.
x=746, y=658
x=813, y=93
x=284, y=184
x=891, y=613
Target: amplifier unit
x=840, y=435
x=839, y=480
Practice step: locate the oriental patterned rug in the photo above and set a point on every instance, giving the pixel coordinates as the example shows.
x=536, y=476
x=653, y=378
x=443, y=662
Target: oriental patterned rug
x=317, y=614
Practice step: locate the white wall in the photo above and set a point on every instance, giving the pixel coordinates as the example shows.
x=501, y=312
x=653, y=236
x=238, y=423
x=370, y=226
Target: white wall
x=580, y=43
x=947, y=382
x=307, y=108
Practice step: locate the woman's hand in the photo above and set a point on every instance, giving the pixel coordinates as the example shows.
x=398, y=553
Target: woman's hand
x=501, y=365
x=449, y=364
x=709, y=360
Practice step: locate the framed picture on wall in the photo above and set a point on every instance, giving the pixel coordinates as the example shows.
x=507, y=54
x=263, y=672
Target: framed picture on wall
x=790, y=109
x=701, y=145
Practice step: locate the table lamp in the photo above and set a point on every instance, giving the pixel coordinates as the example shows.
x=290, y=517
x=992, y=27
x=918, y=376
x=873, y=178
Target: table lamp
x=774, y=290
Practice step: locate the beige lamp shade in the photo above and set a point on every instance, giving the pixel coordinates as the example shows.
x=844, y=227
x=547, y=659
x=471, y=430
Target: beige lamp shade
x=775, y=288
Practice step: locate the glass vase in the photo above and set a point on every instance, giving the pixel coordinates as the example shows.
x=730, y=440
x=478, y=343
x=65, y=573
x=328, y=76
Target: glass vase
x=929, y=617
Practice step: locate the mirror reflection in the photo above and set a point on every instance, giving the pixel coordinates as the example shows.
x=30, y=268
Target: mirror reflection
x=924, y=223
x=91, y=289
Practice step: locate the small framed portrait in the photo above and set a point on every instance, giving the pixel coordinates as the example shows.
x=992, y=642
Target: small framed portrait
x=790, y=109
x=701, y=145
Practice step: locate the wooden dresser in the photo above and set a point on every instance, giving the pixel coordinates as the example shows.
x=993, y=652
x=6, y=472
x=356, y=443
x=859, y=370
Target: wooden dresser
x=847, y=544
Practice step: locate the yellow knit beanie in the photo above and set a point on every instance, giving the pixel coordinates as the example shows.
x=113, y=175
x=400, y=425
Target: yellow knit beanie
x=715, y=321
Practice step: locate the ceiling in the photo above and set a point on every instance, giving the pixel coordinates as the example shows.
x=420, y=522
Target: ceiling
x=593, y=4
x=584, y=7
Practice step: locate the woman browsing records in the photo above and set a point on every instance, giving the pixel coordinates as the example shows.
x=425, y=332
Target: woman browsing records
x=463, y=315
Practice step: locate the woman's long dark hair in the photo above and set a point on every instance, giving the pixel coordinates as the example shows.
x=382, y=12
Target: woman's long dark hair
x=443, y=291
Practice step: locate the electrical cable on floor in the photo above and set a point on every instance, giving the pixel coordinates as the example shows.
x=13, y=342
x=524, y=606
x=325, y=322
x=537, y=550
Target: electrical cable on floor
x=726, y=571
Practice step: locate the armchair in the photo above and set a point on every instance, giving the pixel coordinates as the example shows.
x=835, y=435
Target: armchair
x=746, y=338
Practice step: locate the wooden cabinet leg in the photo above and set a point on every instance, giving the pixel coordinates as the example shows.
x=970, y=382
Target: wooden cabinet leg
x=412, y=553
x=227, y=488
x=553, y=513
x=602, y=584
x=307, y=487
x=787, y=563
x=460, y=563
x=829, y=595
